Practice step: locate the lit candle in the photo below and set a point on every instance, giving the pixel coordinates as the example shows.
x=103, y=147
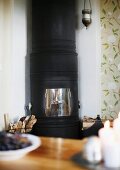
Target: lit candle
x=111, y=153
x=92, y=150
x=116, y=123
x=106, y=133
x=110, y=146
x=116, y=127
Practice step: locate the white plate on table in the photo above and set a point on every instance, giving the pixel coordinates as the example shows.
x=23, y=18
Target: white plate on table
x=19, y=153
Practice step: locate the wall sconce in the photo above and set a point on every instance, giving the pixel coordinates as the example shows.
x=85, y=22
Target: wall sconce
x=86, y=14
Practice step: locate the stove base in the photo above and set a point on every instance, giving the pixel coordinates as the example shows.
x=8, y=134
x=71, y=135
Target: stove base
x=58, y=127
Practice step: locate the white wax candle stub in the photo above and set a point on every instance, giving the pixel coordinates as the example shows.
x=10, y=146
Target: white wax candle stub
x=92, y=150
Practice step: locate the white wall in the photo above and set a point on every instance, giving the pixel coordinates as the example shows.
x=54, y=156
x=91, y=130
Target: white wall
x=19, y=50
x=88, y=49
x=12, y=58
x=5, y=56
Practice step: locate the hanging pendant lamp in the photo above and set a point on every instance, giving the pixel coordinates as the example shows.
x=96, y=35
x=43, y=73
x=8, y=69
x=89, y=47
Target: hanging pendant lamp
x=86, y=14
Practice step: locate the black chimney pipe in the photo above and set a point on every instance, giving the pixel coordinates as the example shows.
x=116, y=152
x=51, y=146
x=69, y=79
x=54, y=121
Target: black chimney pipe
x=53, y=64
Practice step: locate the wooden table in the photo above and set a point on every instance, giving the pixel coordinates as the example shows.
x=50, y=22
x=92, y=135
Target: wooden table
x=53, y=154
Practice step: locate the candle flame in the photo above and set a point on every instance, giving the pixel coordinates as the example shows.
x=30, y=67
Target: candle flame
x=119, y=115
x=107, y=124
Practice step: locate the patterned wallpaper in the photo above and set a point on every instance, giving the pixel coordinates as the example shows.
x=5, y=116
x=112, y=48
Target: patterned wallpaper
x=110, y=61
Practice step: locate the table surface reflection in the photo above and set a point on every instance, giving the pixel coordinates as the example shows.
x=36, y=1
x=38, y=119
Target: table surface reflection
x=53, y=154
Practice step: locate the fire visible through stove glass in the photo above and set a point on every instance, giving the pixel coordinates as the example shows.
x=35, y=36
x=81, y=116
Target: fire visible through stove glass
x=58, y=102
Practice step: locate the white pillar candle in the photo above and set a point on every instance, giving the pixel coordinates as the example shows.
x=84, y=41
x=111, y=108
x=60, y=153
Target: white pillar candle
x=116, y=123
x=111, y=154
x=106, y=133
x=110, y=146
x=116, y=127
x=92, y=150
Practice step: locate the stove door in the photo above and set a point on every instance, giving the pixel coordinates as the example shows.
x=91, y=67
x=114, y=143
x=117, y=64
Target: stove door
x=58, y=102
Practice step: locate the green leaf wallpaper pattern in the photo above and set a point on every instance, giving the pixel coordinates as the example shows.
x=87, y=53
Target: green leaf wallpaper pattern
x=110, y=61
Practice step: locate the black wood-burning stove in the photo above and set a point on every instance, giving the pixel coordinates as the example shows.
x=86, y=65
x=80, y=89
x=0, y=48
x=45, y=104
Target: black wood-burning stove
x=54, y=69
